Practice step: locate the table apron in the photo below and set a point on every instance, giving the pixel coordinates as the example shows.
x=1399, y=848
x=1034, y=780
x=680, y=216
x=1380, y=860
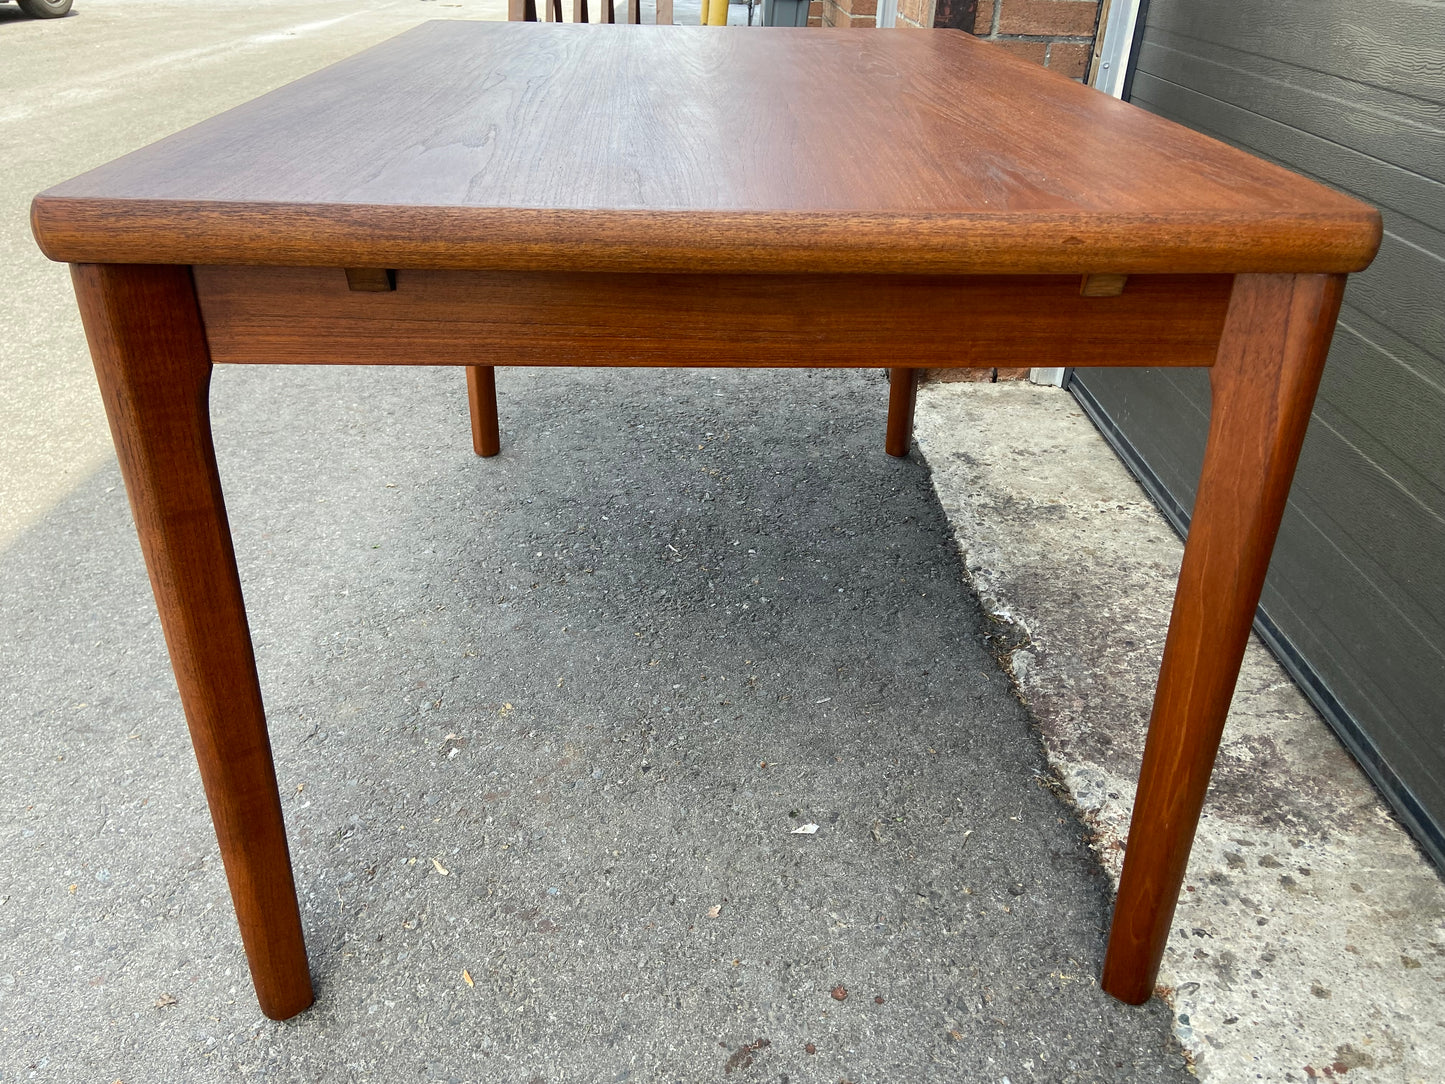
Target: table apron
x=261, y=315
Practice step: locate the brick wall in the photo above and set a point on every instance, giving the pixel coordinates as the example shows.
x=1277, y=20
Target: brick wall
x=845, y=13
x=1058, y=34
x=915, y=13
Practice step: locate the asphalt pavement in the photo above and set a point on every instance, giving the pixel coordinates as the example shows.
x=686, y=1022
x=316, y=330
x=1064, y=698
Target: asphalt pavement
x=546, y=725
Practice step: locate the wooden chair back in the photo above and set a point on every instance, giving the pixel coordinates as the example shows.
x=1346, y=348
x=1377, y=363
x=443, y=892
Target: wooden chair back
x=526, y=11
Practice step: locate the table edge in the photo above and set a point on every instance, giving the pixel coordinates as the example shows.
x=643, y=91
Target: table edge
x=91, y=230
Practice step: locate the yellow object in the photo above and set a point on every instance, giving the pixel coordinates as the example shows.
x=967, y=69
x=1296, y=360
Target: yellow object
x=714, y=12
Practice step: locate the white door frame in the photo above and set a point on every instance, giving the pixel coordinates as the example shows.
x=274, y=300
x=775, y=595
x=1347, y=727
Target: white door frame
x=1115, y=47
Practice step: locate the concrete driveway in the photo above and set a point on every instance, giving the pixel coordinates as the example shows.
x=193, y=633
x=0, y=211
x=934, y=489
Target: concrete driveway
x=544, y=724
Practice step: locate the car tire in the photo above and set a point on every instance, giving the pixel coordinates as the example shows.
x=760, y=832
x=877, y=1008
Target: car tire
x=45, y=9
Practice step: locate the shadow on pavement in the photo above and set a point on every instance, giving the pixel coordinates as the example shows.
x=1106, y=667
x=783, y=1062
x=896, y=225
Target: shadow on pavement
x=598, y=681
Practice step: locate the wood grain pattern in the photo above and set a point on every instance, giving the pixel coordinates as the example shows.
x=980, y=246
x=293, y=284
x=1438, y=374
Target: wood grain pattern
x=150, y=357
x=305, y=316
x=1264, y=382
x=291, y=235
x=536, y=146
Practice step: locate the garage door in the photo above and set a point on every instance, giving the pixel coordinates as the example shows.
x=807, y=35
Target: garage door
x=1353, y=95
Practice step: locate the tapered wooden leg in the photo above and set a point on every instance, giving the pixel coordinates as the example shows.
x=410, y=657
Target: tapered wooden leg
x=902, y=395
x=151, y=359
x=482, y=401
x=1276, y=335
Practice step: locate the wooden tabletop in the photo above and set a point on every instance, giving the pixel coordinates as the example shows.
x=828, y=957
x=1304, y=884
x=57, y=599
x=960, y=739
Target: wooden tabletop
x=542, y=146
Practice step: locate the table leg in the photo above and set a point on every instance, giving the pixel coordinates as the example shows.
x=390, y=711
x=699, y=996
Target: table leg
x=902, y=394
x=482, y=403
x=150, y=354
x=1276, y=335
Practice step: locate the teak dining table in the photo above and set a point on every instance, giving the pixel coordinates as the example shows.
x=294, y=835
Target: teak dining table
x=479, y=194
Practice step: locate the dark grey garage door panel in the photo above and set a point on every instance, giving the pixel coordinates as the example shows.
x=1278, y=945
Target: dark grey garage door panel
x=1182, y=396
x=1353, y=95
x=1392, y=44
x=1400, y=435
x=1402, y=290
x=1342, y=501
x=1345, y=527
x=1399, y=131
